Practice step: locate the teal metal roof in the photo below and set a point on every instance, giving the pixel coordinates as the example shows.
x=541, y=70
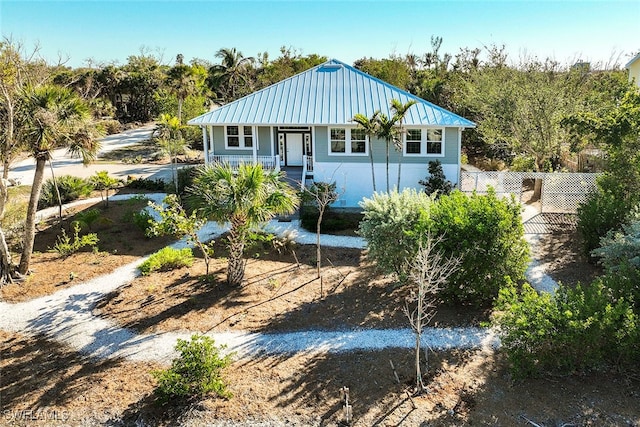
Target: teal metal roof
x=328, y=94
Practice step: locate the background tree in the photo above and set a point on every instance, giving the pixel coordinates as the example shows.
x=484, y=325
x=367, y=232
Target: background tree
x=54, y=117
x=437, y=183
x=393, y=70
x=230, y=79
x=181, y=82
x=245, y=198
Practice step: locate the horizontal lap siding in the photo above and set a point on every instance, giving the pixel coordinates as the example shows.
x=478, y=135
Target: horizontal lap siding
x=321, y=137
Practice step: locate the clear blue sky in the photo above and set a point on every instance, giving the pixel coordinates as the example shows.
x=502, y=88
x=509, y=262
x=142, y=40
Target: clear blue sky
x=110, y=31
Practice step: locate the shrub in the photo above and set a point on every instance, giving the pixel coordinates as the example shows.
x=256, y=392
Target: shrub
x=393, y=226
x=619, y=248
x=523, y=164
x=146, y=184
x=577, y=329
x=111, y=126
x=185, y=178
x=143, y=220
x=88, y=217
x=66, y=246
x=70, y=187
x=436, y=183
x=487, y=232
x=196, y=372
x=167, y=259
x=603, y=212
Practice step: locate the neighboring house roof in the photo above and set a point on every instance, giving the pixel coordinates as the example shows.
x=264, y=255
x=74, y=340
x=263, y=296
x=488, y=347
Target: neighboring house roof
x=634, y=59
x=328, y=94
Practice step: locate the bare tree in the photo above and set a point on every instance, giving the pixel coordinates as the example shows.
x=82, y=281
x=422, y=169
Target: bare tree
x=322, y=194
x=429, y=271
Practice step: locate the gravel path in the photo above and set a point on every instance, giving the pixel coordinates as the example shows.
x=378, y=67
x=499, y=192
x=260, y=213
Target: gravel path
x=66, y=316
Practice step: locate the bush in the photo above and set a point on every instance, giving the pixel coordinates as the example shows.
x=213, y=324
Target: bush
x=88, y=217
x=66, y=246
x=603, y=212
x=143, y=220
x=167, y=259
x=393, y=226
x=70, y=187
x=436, y=183
x=523, y=164
x=111, y=126
x=185, y=178
x=331, y=220
x=575, y=330
x=196, y=372
x=487, y=232
x=146, y=184
x=619, y=248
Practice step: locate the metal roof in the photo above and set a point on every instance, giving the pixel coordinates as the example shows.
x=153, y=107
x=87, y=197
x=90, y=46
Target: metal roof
x=634, y=59
x=328, y=94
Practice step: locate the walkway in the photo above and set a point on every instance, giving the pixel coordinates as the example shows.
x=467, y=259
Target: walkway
x=67, y=317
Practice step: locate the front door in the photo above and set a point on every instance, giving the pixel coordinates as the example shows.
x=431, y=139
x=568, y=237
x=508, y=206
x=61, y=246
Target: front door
x=294, y=149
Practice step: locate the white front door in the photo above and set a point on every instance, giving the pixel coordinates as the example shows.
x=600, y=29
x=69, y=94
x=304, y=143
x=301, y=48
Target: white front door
x=294, y=149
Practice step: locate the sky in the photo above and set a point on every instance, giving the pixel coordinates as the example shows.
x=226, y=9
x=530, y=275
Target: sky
x=600, y=32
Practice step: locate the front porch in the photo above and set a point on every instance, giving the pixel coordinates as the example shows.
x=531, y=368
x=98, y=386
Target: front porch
x=296, y=176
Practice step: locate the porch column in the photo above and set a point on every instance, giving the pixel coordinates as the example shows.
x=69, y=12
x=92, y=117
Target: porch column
x=205, y=145
x=210, y=139
x=254, y=146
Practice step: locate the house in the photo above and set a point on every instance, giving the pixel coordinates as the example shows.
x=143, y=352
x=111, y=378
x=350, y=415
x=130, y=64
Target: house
x=304, y=123
x=634, y=69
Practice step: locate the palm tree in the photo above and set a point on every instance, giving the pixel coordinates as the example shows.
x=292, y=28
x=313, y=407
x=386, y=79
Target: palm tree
x=244, y=197
x=54, y=117
x=388, y=131
x=370, y=127
x=399, y=113
x=230, y=73
x=171, y=141
x=181, y=81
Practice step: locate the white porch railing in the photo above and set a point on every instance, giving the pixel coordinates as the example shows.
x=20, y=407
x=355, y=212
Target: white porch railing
x=308, y=160
x=267, y=162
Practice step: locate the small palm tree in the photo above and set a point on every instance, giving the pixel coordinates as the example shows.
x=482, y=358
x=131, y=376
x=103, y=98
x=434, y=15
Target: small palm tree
x=54, y=117
x=171, y=142
x=388, y=131
x=244, y=197
x=399, y=113
x=370, y=127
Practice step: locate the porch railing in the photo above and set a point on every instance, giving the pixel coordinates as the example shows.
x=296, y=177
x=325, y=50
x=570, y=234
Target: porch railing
x=309, y=164
x=267, y=162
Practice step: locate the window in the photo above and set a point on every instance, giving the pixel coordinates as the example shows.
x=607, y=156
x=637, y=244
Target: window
x=358, y=141
x=414, y=141
x=347, y=141
x=434, y=141
x=338, y=140
x=424, y=142
x=236, y=140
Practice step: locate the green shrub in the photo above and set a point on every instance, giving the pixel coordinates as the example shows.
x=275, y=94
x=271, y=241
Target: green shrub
x=331, y=221
x=66, y=246
x=487, y=232
x=88, y=217
x=393, y=226
x=185, y=178
x=146, y=184
x=167, y=259
x=603, y=212
x=436, y=183
x=575, y=330
x=196, y=372
x=523, y=164
x=111, y=126
x=620, y=248
x=70, y=187
x=143, y=220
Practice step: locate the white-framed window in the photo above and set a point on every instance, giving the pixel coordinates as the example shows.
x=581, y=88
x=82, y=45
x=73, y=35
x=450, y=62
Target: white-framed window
x=238, y=137
x=424, y=142
x=347, y=141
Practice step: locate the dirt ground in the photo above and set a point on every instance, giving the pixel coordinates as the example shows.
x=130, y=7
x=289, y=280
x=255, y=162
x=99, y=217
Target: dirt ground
x=44, y=383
